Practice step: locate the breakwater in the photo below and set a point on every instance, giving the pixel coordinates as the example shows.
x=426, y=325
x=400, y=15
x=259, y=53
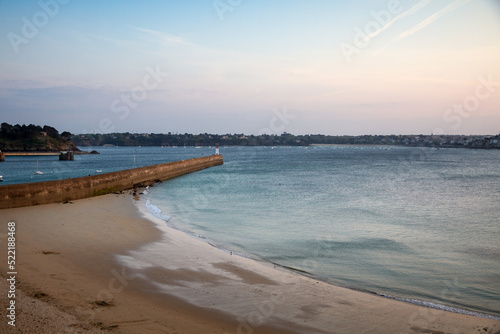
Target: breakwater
x=36, y=193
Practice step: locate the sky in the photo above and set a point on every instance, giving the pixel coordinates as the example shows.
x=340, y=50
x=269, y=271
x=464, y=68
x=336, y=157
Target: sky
x=239, y=66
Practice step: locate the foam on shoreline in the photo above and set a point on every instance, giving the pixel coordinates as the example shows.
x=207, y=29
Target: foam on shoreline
x=438, y=306
x=156, y=211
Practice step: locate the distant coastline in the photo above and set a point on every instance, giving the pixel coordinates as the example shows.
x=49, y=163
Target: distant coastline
x=34, y=138
x=286, y=139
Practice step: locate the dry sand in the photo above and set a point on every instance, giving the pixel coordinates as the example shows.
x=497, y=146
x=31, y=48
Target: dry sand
x=89, y=265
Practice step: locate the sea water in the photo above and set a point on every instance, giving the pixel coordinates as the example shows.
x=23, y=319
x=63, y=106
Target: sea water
x=416, y=224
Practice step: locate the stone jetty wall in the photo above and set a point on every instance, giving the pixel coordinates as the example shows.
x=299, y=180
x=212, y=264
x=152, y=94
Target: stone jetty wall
x=26, y=194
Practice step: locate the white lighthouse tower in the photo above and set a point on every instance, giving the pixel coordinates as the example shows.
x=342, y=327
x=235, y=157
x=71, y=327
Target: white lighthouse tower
x=217, y=150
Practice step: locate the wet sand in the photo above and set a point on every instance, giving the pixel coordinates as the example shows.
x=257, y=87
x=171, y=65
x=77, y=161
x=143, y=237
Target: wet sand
x=92, y=265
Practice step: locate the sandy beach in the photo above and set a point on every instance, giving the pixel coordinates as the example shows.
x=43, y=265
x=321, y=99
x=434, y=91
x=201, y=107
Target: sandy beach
x=88, y=267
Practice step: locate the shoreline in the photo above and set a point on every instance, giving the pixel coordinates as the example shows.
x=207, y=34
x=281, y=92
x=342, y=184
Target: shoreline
x=71, y=256
x=263, y=267
x=158, y=214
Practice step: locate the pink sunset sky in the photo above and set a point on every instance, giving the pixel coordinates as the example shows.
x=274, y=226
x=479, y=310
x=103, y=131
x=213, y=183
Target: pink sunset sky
x=336, y=67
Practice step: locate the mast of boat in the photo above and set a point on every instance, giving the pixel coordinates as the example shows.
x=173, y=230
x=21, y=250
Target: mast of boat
x=37, y=172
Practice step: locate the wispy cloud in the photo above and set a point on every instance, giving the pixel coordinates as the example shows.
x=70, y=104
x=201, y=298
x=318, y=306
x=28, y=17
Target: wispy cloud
x=410, y=11
x=430, y=19
x=124, y=43
x=163, y=36
x=419, y=26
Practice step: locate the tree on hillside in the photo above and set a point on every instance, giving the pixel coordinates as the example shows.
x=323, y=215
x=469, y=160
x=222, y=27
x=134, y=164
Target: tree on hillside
x=66, y=135
x=19, y=131
x=51, y=131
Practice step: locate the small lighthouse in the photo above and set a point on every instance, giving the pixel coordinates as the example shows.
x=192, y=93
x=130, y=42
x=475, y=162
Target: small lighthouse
x=217, y=150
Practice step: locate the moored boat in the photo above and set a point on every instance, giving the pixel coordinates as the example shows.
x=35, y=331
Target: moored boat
x=37, y=172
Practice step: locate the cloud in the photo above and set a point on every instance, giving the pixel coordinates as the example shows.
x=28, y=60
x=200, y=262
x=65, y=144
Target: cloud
x=430, y=19
x=419, y=26
x=116, y=41
x=163, y=36
x=410, y=11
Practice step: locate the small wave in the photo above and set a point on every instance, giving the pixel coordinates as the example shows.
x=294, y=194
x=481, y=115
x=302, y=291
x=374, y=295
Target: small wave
x=440, y=307
x=156, y=211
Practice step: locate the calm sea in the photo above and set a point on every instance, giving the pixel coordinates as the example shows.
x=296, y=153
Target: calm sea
x=421, y=225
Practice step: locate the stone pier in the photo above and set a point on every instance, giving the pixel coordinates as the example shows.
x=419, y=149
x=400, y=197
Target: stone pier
x=35, y=193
